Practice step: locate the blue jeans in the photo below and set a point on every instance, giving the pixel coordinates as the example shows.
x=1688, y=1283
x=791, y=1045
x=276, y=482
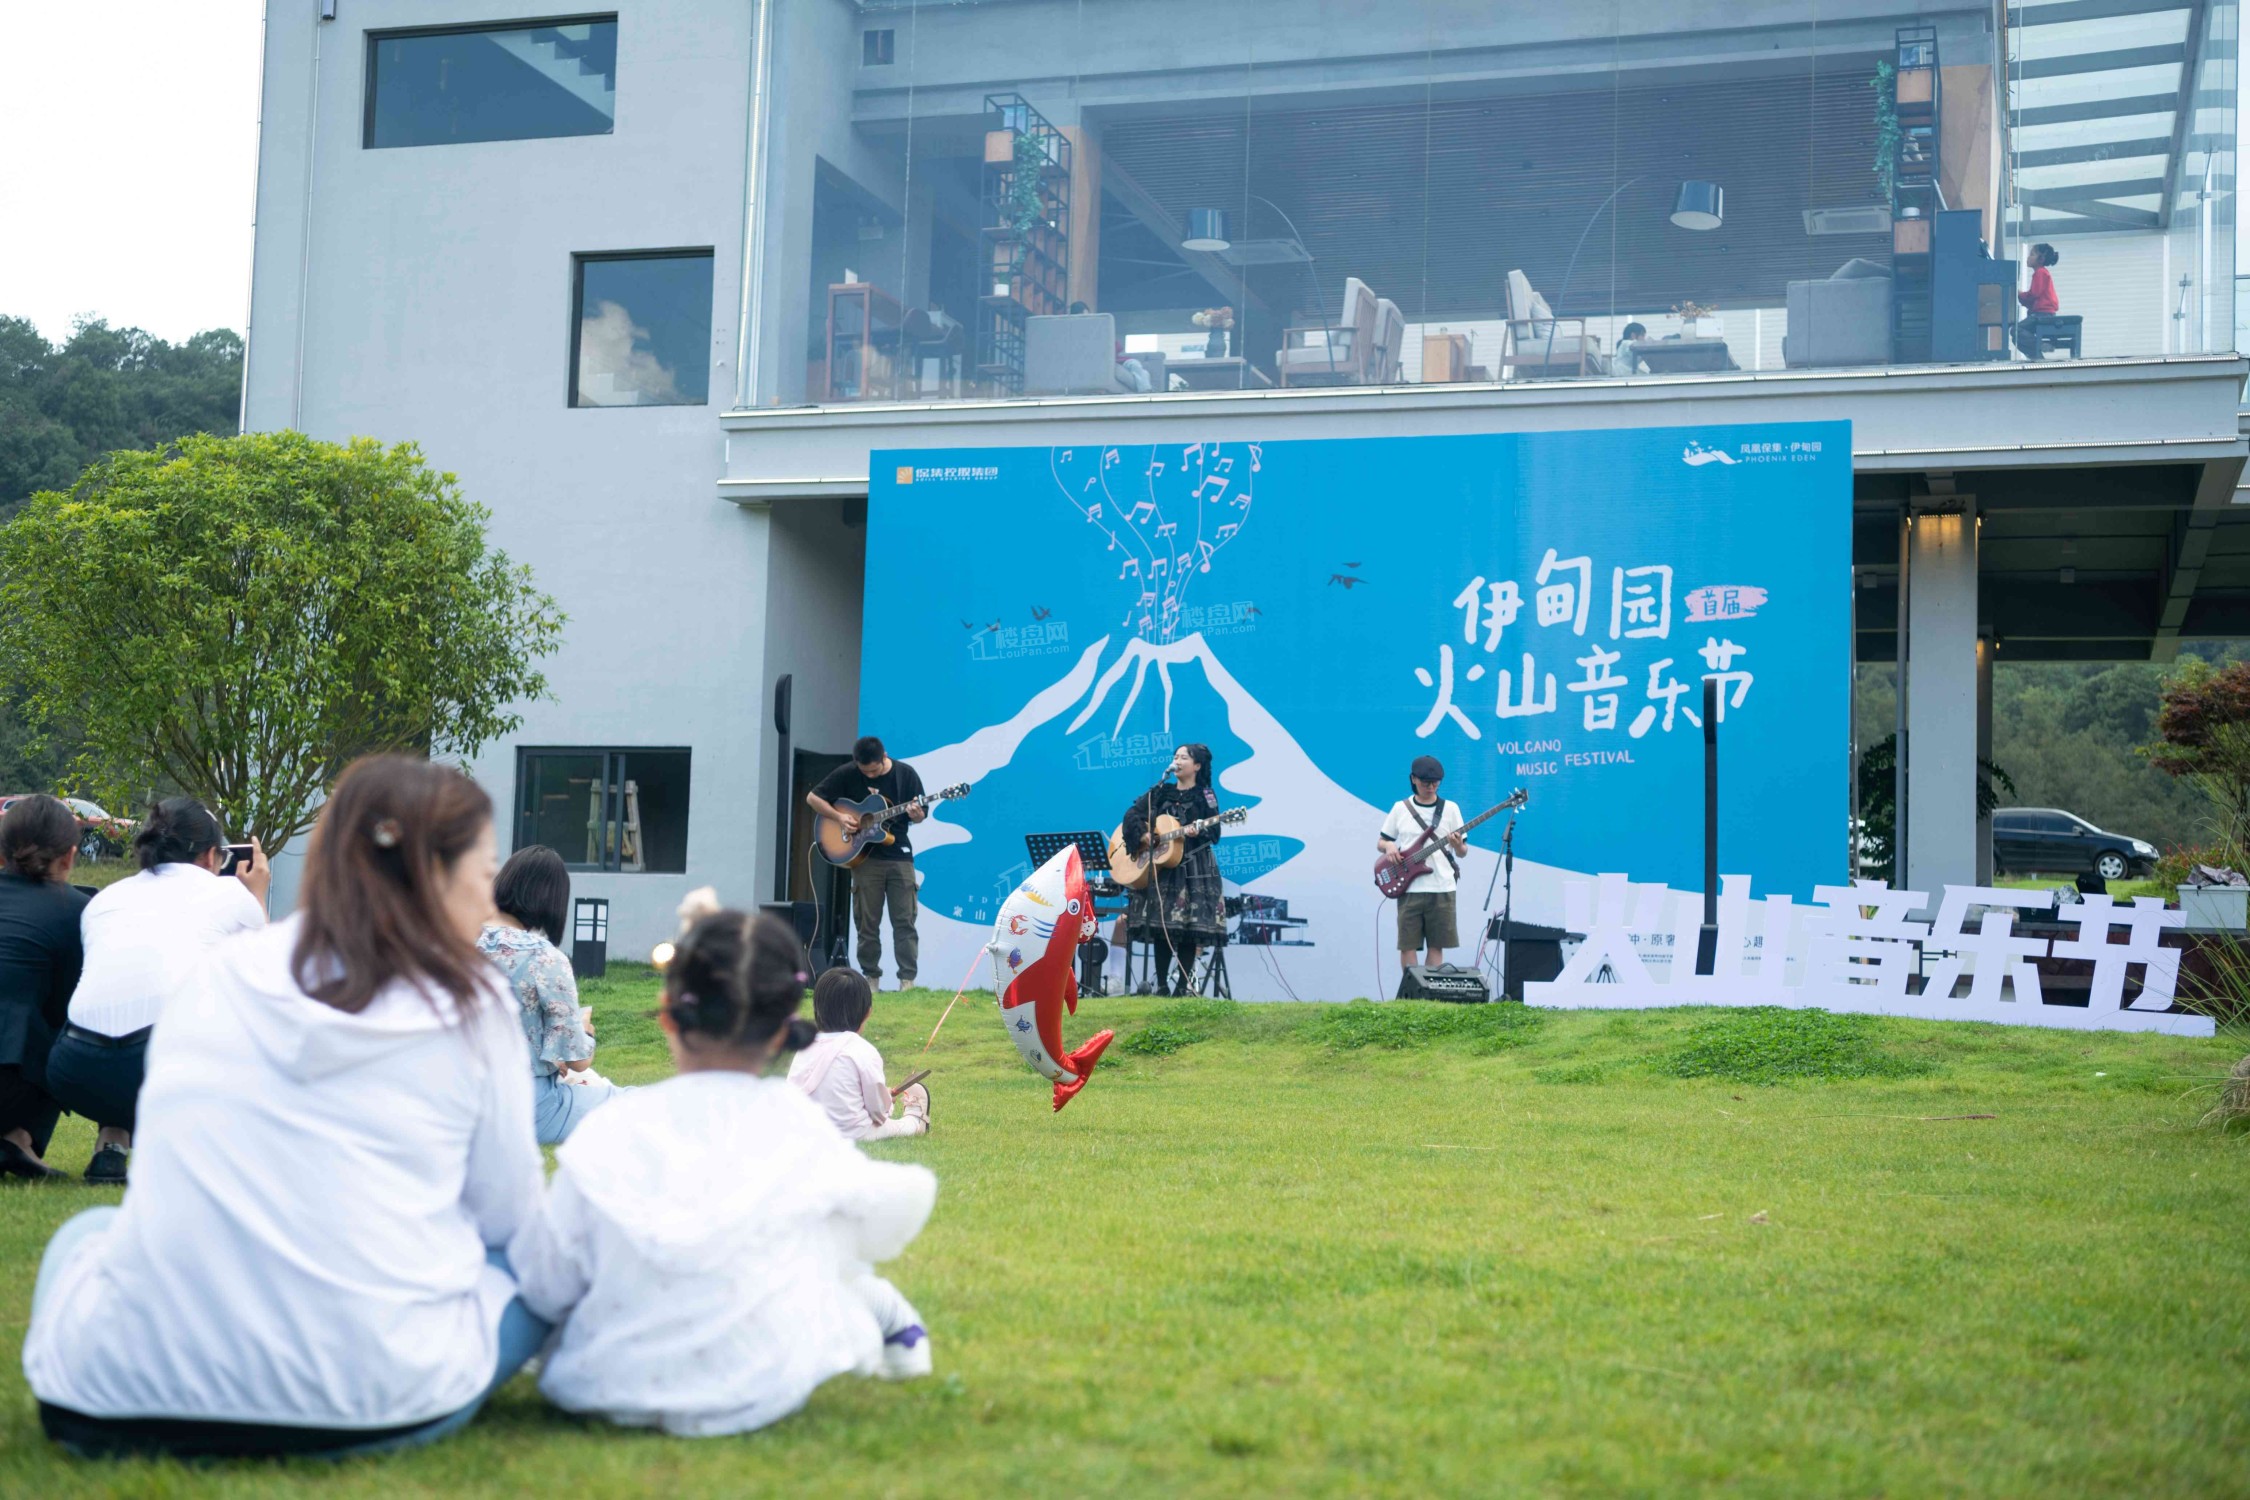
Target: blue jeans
x=520, y=1336
x=557, y=1107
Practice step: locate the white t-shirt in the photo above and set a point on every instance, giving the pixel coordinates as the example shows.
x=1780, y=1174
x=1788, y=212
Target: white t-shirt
x=843, y=1074
x=147, y=933
x=1401, y=829
x=314, y=1193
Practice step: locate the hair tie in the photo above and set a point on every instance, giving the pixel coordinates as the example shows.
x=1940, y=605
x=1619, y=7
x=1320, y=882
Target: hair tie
x=802, y=976
x=385, y=833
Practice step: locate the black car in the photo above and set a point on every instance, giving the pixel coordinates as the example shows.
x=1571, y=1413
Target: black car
x=2049, y=841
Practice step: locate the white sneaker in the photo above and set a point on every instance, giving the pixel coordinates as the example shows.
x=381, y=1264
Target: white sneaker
x=906, y=1354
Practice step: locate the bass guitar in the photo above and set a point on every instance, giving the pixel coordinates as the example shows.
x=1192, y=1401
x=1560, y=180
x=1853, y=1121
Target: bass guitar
x=1400, y=868
x=1133, y=869
x=875, y=815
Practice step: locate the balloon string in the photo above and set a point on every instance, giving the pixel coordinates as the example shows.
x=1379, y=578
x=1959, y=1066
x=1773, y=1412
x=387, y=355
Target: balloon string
x=956, y=1000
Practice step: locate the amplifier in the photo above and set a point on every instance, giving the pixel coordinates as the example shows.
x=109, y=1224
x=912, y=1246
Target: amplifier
x=1445, y=982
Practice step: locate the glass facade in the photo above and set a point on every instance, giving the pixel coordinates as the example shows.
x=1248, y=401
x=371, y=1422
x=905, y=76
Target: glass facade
x=641, y=329
x=968, y=199
x=619, y=810
x=491, y=83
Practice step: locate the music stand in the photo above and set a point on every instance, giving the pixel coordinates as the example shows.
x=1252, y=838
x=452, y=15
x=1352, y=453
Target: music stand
x=1093, y=855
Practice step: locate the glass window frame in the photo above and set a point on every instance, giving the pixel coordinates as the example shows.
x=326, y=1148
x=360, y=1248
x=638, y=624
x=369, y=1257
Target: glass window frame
x=578, y=263
x=615, y=761
x=375, y=39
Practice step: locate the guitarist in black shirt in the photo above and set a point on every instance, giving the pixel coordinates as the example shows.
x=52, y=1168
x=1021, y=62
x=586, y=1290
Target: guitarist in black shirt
x=887, y=873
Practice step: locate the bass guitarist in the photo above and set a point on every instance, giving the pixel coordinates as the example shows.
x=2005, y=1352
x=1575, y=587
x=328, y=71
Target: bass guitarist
x=1425, y=913
x=887, y=873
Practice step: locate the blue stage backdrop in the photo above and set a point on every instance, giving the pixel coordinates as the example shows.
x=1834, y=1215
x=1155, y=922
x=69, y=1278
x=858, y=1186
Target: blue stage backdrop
x=1536, y=610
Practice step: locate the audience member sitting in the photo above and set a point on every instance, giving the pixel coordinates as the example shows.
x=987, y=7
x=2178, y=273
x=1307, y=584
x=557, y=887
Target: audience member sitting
x=1626, y=360
x=335, y=1145
x=706, y=1242
x=2039, y=300
x=843, y=1073
x=143, y=936
x=533, y=897
x=39, y=962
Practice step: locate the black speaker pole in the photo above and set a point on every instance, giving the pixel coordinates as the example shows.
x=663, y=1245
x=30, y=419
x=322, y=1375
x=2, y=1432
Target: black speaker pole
x=784, y=779
x=1707, y=940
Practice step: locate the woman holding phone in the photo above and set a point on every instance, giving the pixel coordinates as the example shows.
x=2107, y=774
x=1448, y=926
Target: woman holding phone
x=142, y=937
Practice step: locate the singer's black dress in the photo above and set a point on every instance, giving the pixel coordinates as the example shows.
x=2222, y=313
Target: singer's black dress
x=1179, y=908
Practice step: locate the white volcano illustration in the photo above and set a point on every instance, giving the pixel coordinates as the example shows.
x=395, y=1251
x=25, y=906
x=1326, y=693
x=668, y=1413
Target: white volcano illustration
x=1328, y=882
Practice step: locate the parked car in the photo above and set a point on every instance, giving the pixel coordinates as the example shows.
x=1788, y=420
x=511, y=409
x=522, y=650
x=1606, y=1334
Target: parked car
x=99, y=835
x=2047, y=840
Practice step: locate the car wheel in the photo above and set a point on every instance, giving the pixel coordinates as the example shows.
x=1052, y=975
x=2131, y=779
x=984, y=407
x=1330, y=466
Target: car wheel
x=2110, y=865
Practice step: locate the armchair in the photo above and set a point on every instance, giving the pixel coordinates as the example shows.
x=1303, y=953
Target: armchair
x=1542, y=346
x=1346, y=352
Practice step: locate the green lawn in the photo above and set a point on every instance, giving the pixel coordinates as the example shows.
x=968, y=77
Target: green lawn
x=1407, y=1250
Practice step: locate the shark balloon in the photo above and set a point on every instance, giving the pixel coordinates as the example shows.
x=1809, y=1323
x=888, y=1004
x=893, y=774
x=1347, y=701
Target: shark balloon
x=1034, y=951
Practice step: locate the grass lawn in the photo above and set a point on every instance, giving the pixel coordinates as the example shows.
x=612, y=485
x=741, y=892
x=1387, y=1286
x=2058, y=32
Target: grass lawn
x=1406, y=1250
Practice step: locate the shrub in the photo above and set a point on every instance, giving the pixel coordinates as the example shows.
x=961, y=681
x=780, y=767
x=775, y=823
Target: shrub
x=1767, y=1044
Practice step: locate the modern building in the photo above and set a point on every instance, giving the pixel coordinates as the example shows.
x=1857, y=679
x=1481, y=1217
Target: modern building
x=655, y=279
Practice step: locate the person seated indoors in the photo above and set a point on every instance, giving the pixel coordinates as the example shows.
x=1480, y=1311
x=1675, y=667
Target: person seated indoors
x=2039, y=299
x=1627, y=359
x=706, y=1242
x=843, y=1073
x=143, y=936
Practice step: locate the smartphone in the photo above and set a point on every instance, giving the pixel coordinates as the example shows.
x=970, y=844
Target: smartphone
x=237, y=860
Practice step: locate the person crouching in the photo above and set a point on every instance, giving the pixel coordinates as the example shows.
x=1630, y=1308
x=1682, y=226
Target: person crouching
x=706, y=1242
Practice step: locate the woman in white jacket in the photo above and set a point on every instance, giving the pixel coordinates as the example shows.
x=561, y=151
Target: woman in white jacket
x=337, y=1146
x=706, y=1243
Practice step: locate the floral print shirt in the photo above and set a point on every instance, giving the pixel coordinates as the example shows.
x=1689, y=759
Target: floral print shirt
x=546, y=995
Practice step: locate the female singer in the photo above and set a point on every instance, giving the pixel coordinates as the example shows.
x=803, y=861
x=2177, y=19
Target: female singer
x=1179, y=910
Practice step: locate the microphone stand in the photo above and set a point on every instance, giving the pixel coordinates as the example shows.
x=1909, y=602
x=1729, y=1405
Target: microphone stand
x=1507, y=895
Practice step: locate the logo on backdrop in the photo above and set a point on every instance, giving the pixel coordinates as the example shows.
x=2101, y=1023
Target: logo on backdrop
x=1695, y=455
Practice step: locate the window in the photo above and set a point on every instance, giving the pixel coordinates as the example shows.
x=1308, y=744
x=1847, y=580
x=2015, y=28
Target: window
x=876, y=48
x=492, y=83
x=623, y=810
x=641, y=329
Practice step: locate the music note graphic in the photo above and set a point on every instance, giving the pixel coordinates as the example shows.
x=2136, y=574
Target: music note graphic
x=1228, y=530
x=1257, y=455
x=1226, y=466
x=1206, y=549
x=1110, y=456
x=1214, y=480
x=1091, y=481
x=1132, y=566
x=1168, y=528
x=1155, y=466
x=1144, y=510
x=1094, y=511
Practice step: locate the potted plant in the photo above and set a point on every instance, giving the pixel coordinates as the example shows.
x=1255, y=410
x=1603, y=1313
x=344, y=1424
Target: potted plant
x=1698, y=321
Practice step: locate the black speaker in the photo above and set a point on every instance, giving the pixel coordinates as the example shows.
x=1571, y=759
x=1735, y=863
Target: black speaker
x=1445, y=982
x=1533, y=954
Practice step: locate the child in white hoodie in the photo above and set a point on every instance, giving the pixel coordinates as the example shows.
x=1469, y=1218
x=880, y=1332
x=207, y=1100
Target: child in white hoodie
x=705, y=1245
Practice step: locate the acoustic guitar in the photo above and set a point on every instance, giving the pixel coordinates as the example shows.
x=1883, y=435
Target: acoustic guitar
x=1134, y=869
x=875, y=816
x=1400, y=868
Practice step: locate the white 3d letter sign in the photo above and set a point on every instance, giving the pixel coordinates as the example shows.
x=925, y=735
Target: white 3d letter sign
x=1858, y=950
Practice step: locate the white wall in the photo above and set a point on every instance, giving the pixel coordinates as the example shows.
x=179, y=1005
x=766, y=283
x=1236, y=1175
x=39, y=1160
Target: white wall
x=437, y=310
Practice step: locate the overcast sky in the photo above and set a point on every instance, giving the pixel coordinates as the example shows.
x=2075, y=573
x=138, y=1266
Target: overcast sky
x=128, y=162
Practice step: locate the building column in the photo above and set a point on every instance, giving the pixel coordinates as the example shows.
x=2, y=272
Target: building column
x=1985, y=647
x=1943, y=700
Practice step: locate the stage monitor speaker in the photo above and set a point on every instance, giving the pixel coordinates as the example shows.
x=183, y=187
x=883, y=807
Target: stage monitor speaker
x=1445, y=982
x=1533, y=954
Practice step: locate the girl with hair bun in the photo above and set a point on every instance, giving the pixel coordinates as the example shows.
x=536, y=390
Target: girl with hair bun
x=143, y=936
x=40, y=955
x=706, y=1243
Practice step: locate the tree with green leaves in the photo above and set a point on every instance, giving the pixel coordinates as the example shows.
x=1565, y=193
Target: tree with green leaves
x=2203, y=737
x=245, y=616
